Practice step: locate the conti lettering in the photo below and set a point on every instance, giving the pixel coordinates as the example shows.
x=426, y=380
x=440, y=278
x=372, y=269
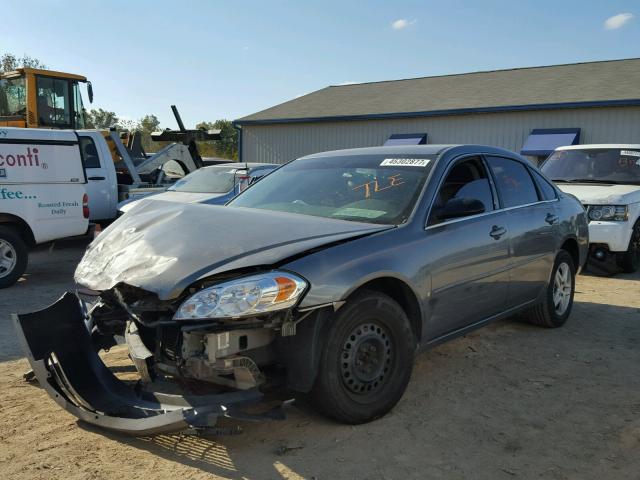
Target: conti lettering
x=27, y=159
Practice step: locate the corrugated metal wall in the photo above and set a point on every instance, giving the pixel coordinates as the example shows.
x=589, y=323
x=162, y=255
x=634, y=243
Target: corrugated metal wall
x=283, y=142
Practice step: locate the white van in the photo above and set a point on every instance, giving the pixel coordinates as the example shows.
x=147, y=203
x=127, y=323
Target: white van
x=42, y=193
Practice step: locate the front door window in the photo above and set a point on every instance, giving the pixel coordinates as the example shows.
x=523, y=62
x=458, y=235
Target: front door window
x=54, y=106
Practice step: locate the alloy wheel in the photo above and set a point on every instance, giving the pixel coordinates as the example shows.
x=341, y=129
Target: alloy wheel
x=562, y=288
x=8, y=258
x=635, y=245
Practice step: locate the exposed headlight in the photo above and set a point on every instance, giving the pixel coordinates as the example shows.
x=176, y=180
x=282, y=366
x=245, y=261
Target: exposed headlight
x=618, y=213
x=244, y=297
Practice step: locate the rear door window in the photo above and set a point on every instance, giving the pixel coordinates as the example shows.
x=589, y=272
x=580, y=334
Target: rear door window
x=513, y=181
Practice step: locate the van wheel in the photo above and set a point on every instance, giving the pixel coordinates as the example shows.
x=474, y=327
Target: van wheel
x=13, y=257
x=367, y=361
x=629, y=261
x=554, y=310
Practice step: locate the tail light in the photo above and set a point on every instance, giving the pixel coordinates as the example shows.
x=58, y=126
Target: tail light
x=243, y=183
x=85, y=206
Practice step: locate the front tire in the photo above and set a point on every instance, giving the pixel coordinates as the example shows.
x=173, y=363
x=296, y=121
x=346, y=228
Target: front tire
x=13, y=256
x=629, y=261
x=555, y=308
x=367, y=361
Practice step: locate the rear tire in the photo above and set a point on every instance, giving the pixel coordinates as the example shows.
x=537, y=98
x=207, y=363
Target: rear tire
x=629, y=261
x=14, y=256
x=367, y=361
x=555, y=309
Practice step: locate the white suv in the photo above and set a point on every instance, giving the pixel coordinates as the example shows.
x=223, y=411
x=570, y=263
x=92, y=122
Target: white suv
x=606, y=179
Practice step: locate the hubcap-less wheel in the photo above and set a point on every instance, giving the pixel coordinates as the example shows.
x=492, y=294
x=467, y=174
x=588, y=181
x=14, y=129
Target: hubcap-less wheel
x=8, y=258
x=366, y=357
x=562, y=286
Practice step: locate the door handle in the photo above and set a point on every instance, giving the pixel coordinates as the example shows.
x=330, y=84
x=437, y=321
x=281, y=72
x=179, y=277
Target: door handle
x=551, y=218
x=96, y=178
x=496, y=232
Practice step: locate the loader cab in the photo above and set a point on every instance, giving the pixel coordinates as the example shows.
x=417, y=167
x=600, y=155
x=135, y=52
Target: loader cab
x=33, y=98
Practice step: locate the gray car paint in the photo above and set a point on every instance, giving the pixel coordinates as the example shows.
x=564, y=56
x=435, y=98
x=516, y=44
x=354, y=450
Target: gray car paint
x=163, y=247
x=456, y=283
x=457, y=273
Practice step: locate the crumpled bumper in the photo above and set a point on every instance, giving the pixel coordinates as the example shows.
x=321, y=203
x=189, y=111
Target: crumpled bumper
x=59, y=349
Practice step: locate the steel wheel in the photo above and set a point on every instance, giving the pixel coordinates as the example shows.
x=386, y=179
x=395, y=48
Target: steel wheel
x=562, y=289
x=366, y=357
x=8, y=258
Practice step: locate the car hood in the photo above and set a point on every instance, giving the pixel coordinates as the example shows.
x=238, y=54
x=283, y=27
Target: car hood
x=163, y=247
x=590, y=194
x=181, y=197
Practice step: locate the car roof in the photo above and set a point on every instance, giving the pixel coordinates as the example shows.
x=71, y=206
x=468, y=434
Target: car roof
x=417, y=150
x=592, y=146
x=243, y=165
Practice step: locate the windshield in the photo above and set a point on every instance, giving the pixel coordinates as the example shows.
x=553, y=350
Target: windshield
x=602, y=165
x=207, y=180
x=366, y=188
x=12, y=97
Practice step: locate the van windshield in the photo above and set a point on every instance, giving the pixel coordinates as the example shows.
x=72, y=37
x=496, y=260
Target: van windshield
x=13, y=97
x=600, y=165
x=364, y=188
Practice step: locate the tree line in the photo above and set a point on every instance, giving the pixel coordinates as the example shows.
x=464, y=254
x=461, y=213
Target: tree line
x=98, y=118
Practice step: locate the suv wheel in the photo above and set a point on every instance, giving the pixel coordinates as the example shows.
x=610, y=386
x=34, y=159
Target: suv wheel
x=13, y=257
x=367, y=360
x=554, y=310
x=629, y=261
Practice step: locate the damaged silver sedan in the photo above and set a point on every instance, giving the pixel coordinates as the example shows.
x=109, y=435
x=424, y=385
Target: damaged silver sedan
x=324, y=279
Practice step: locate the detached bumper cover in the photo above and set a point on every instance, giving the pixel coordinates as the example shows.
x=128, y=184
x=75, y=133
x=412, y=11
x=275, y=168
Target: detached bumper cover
x=59, y=349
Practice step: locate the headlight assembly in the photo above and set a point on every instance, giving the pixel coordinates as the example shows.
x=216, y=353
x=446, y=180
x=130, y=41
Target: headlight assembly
x=617, y=213
x=244, y=297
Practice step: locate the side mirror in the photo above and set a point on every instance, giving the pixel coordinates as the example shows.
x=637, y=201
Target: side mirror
x=90, y=92
x=460, y=207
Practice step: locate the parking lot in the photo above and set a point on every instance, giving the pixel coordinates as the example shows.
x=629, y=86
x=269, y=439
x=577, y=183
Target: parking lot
x=508, y=401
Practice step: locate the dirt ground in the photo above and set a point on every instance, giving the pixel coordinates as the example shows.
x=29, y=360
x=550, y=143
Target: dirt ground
x=508, y=401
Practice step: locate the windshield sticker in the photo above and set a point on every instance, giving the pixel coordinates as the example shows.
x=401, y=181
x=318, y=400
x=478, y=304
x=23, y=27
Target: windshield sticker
x=629, y=153
x=405, y=162
x=375, y=187
x=358, y=212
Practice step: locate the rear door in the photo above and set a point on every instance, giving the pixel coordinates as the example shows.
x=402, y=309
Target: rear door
x=470, y=255
x=99, y=186
x=532, y=222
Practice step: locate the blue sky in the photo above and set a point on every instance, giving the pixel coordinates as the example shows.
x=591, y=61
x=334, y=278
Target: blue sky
x=219, y=59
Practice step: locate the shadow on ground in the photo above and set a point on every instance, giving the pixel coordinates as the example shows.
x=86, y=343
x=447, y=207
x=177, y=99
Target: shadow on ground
x=508, y=400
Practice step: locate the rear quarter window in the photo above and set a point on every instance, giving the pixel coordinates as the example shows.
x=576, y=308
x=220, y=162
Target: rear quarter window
x=546, y=190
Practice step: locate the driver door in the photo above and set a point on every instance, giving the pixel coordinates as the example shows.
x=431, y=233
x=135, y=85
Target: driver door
x=469, y=256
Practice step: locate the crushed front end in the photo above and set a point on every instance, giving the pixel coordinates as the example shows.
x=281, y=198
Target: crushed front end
x=222, y=345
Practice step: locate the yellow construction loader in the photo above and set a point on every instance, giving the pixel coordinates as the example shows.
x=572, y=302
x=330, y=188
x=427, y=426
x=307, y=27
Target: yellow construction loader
x=32, y=98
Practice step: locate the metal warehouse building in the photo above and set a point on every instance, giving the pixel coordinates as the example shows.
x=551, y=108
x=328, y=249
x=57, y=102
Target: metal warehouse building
x=527, y=110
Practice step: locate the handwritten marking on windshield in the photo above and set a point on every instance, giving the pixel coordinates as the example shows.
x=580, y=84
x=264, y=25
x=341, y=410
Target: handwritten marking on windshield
x=394, y=181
